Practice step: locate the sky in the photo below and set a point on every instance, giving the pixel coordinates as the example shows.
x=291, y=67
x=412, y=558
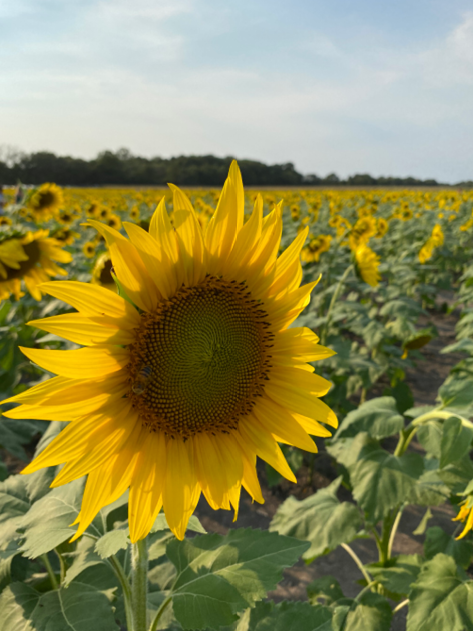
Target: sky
x=370, y=86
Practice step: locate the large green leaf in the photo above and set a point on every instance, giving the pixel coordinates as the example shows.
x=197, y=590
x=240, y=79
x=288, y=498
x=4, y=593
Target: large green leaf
x=398, y=574
x=441, y=598
x=287, y=616
x=455, y=442
x=47, y=523
x=320, y=519
x=429, y=489
x=219, y=576
x=378, y=417
x=370, y=613
x=456, y=394
x=437, y=540
x=80, y=607
x=382, y=481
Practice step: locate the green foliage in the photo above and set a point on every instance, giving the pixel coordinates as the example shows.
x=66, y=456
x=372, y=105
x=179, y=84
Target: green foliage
x=441, y=597
x=320, y=519
x=378, y=417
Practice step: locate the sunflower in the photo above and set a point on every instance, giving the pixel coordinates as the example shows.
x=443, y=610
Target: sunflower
x=465, y=514
x=29, y=258
x=66, y=236
x=135, y=213
x=316, y=247
x=89, y=248
x=45, y=201
x=114, y=222
x=102, y=272
x=5, y=221
x=186, y=380
x=361, y=232
x=366, y=265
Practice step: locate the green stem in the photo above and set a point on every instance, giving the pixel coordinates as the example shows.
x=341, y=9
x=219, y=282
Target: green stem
x=383, y=546
x=405, y=438
x=335, y=297
x=439, y=413
x=401, y=605
x=50, y=571
x=126, y=589
x=62, y=565
x=139, y=584
x=159, y=613
x=357, y=560
x=394, y=530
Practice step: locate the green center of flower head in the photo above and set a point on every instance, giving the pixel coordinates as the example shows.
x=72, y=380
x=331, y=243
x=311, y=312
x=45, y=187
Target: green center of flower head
x=201, y=359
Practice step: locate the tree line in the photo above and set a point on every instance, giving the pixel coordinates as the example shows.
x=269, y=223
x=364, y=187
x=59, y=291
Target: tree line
x=122, y=168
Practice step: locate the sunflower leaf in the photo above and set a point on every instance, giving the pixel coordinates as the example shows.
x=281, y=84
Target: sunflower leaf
x=287, y=616
x=437, y=540
x=79, y=607
x=47, y=523
x=379, y=417
x=371, y=612
x=219, y=576
x=441, y=598
x=320, y=519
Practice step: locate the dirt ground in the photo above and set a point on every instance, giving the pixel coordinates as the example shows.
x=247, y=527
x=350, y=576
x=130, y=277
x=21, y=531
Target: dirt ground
x=424, y=382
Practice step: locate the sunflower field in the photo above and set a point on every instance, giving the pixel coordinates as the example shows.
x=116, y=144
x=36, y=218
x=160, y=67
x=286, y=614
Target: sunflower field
x=236, y=409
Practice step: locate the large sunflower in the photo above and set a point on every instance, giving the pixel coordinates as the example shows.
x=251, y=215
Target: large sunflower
x=179, y=388
x=29, y=258
x=45, y=201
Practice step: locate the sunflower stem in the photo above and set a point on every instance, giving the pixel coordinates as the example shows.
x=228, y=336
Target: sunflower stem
x=50, y=571
x=139, y=584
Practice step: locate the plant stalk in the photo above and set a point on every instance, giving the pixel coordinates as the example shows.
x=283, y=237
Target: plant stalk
x=358, y=562
x=159, y=613
x=50, y=571
x=139, y=584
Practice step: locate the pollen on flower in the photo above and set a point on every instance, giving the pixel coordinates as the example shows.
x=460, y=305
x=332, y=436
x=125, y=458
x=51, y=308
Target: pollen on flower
x=200, y=361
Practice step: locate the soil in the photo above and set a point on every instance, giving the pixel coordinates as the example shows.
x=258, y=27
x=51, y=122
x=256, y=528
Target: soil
x=424, y=381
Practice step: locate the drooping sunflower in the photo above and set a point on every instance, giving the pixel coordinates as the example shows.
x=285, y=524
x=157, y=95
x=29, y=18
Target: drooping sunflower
x=181, y=386
x=316, y=247
x=29, y=258
x=45, y=201
x=367, y=264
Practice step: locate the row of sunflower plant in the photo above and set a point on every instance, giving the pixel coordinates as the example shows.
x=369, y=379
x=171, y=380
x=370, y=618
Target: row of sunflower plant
x=189, y=357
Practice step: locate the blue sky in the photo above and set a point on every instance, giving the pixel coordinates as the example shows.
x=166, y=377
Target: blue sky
x=367, y=86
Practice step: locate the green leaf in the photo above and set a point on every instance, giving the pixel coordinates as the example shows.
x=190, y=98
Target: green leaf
x=421, y=528
x=289, y=616
x=83, y=557
x=456, y=441
x=378, y=417
x=441, y=598
x=194, y=524
x=429, y=489
x=456, y=394
x=382, y=481
x=370, y=613
x=47, y=523
x=14, y=433
x=320, y=519
x=219, y=576
x=437, y=540
x=112, y=542
x=399, y=574
x=430, y=437
x=325, y=590
x=403, y=395
x=79, y=607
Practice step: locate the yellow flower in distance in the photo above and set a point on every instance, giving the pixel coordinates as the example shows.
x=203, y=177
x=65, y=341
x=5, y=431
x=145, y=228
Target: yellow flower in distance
x=316, y=247
x=31, y=259
x=46, y=201
x=102, y=272
x=465, y=515
x=366, y=264
x=178, y=393
x=89, y=248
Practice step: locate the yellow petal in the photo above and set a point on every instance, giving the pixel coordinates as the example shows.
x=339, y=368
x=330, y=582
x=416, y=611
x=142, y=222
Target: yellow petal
x=93, y=300
x=306, y=380
x=255, y=435
x=83, y=330
x=301, y=402
x=281, y=423
x=90, y=362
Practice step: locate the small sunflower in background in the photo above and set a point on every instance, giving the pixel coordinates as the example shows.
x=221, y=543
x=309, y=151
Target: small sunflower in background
x=66, y=236
x=182, y=385
x=134, y=213
x=102, y=213
x=32, y=259
x=5, y=221
x=89, y=249
x=102, y=272
x=114, y=222
x=45, y=202
x=316, y=247
x=367, y=264
x=362, y=231
x=381, y=227
x=92, y=210
x=65, y=217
